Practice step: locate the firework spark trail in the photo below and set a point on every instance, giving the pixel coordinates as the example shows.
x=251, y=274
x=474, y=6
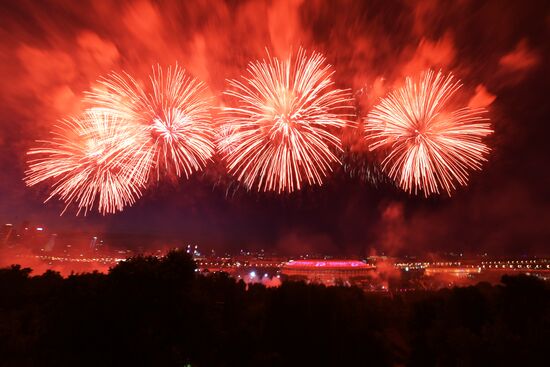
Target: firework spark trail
x=174, y=110
x=281, y=133
x=357, y=164
x=357, y=161
x=429, y=148
x=93, y=160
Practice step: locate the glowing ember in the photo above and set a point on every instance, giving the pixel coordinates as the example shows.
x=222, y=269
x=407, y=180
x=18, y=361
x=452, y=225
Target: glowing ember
x=93, y=160
x=282, y=132
x=428, y=147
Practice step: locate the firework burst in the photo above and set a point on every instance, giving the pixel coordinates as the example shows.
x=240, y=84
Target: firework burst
x=93, y=160
x=282, y=133
x=427, y=147
x=173, y=108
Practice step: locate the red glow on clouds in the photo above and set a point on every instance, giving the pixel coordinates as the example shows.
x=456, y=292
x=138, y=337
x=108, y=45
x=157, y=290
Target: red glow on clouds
x=54, y=51
x=482, y=98
x=520, y=59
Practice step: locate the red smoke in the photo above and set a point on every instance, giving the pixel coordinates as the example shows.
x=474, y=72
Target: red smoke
x=51, y=52
x=214, y=40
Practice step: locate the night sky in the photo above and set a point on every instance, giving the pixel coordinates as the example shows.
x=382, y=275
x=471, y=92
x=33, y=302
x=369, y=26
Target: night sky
x=53, y=51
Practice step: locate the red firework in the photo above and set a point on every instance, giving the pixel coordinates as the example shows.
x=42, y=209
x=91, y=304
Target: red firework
x=174, y=110
x=93, y=160
x=428, y=147
x=281, y=133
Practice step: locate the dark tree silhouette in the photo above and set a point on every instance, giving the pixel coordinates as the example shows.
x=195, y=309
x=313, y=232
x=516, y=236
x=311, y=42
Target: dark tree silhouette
x=150, y=311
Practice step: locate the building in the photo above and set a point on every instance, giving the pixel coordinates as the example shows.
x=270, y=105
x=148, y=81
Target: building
x=328, y=272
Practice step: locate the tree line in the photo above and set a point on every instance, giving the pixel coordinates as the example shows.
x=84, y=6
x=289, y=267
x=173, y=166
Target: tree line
x=150, y=311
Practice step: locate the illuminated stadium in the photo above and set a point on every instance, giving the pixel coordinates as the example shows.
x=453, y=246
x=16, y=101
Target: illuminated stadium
x=328, y=272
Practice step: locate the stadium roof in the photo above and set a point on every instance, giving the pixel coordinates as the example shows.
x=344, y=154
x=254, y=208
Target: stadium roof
x=326, y=264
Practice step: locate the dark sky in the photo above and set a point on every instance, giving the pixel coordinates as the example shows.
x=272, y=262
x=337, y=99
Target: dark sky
x=53, y=51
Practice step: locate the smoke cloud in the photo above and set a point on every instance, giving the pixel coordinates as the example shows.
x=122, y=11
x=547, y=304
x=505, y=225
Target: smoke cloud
x=52, y=52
